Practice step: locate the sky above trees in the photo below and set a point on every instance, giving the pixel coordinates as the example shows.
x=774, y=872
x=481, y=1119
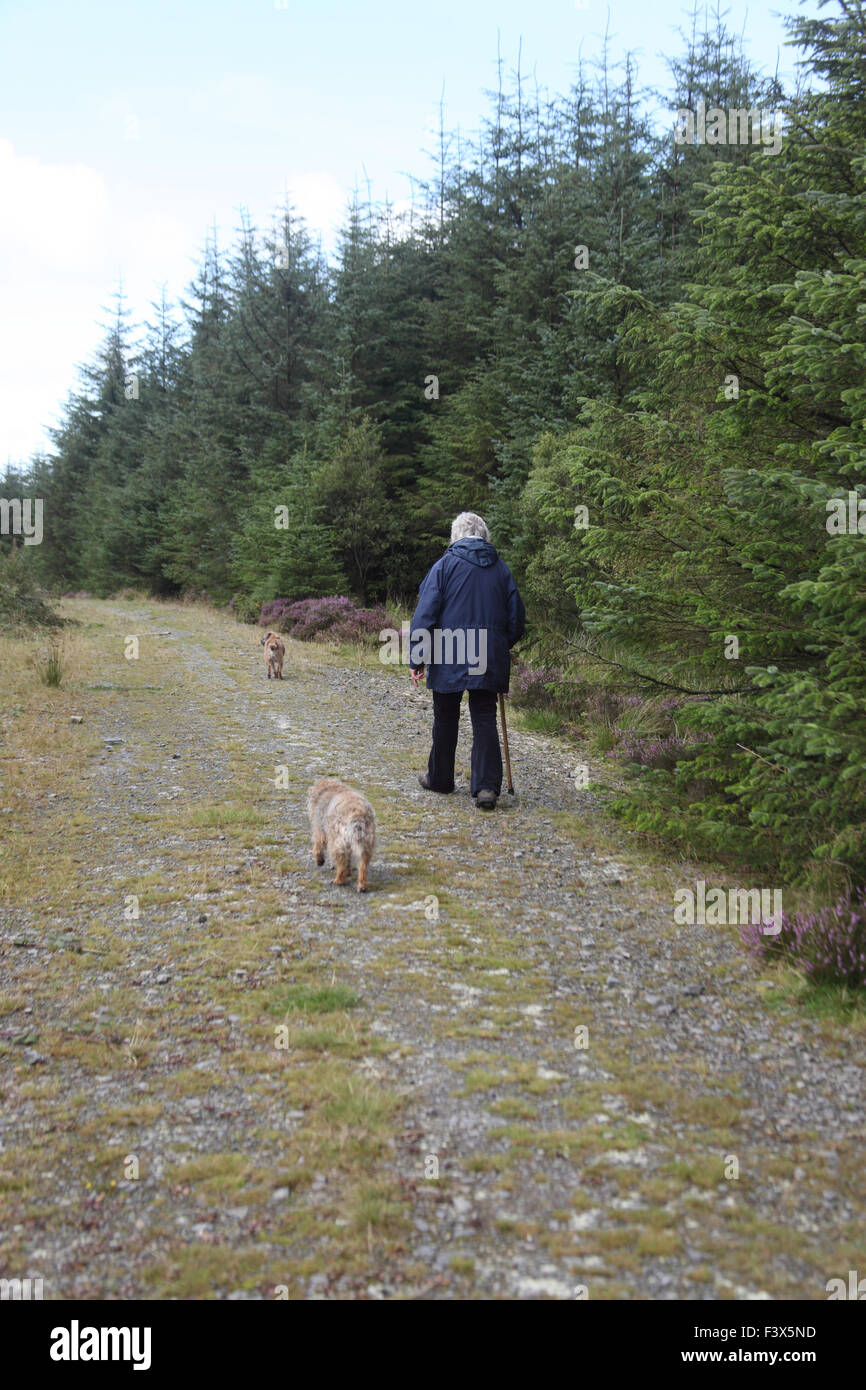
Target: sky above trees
x=150, y=124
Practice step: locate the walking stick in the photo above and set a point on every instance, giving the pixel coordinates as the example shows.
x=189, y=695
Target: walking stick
x=505, y=742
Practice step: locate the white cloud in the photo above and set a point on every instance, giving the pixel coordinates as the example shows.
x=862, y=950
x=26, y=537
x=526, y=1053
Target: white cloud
x=54, y=214
x=321, y=200
x=65, y=237
x=70, y=230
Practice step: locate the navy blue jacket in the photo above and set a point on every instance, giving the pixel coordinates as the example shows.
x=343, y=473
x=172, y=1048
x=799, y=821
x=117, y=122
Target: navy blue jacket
x=467, y=602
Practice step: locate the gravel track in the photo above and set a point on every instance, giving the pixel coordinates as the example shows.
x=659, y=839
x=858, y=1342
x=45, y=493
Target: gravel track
x=692, y=1143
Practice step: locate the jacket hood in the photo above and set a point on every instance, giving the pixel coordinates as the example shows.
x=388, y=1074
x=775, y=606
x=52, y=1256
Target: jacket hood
x=476, y=551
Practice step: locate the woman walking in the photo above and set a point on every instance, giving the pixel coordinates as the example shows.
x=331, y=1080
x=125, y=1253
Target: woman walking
x=468, y=617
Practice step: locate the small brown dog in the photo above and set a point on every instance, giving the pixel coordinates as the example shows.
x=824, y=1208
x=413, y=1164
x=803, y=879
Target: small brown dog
x=344, y=827
x=275, y=652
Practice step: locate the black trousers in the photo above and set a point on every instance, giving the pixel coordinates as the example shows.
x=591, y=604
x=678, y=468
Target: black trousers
x=486, y=756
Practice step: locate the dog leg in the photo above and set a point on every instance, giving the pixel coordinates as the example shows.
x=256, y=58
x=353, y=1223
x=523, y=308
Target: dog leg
x=362, y=872
x=319, y=848
x=341, y=862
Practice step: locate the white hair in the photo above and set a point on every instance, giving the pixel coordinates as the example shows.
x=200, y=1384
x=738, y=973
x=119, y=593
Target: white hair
x=469, y=524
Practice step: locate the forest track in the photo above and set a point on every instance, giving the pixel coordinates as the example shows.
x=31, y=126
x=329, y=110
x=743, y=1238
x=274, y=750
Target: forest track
x=224, y=1077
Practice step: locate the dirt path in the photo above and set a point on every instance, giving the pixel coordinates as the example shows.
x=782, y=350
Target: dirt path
x=505, y=1072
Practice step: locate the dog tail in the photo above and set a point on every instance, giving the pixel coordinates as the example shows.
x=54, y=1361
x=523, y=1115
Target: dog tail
x=361, y=833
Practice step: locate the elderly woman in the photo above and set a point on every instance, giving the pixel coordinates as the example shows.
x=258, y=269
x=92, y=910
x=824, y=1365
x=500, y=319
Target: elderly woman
x=469, y=616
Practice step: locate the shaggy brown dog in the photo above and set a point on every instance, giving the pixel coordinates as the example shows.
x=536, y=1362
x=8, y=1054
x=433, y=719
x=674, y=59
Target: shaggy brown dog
x=344, y=827
x=274, y=654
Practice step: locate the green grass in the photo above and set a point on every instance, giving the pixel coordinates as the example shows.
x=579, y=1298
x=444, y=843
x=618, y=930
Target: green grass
x=541, y=721
x=225, y=816
x=832, y=1003
x=364, y=1108
x=374, y=1206
x=49, y=662
x=304, y=999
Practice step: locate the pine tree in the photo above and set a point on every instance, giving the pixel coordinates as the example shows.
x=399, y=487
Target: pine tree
x=706, y=505
x=285, y=548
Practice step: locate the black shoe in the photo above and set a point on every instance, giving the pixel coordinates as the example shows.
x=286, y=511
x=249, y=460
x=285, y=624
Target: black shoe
x=486, y=800
x=425, y=783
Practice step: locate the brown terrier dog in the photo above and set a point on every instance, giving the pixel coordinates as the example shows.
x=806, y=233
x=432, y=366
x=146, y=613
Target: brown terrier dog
x=274, y=654
x=344, y=826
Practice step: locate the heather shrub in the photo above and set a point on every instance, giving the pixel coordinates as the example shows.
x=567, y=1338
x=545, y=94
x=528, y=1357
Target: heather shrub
x=271, y=614
x=603, y=707
x=638, y=730
x=649, y=750
x=362, y=625
x=828, y=945
x=333, y=619
x=547, y=688
x=647, y=733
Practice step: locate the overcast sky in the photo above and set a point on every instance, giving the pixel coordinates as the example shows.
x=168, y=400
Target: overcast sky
x=127, y=129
